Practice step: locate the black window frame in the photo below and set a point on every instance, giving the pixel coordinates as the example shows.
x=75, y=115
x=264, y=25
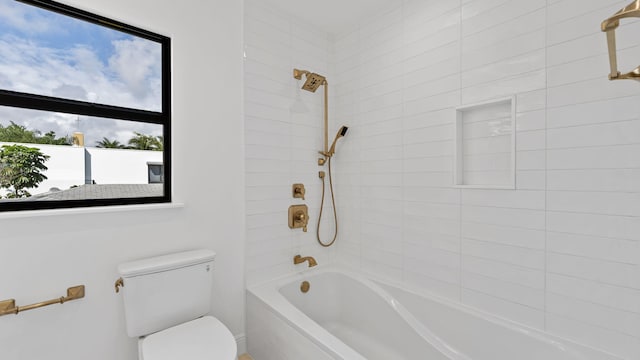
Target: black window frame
x=16, y=99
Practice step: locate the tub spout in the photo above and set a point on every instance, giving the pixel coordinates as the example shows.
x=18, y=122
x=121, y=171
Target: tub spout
x=298, y=259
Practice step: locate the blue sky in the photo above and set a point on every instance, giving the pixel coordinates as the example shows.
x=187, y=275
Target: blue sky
x=61, y=32
x=46, y=53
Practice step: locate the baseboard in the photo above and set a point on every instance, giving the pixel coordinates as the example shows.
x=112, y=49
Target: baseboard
x=241, y=342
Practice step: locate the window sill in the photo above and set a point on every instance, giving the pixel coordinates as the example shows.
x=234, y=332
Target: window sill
x=89, y=210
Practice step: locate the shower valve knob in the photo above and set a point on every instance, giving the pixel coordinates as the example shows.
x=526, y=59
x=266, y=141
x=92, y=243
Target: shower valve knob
x=298, y=217
x=298, y=191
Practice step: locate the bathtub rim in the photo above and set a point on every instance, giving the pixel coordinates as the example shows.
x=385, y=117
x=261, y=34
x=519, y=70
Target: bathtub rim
x=269, y=293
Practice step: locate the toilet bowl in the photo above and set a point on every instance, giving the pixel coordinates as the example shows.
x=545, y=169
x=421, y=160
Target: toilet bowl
x=205, y=338
x=167, y=300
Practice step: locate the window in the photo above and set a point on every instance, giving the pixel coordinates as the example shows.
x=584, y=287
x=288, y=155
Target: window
x=156, y=173
x=85, y=102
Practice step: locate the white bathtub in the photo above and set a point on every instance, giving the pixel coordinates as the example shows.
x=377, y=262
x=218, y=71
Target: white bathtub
x=348, y=316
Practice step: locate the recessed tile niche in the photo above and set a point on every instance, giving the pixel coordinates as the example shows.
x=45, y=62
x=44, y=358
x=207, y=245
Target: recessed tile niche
x=485, y=145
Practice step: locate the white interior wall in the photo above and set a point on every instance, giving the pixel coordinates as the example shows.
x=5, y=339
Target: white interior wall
x=41, y=254
x=560, y=253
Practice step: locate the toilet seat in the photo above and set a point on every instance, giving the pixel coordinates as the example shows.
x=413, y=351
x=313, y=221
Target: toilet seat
x=205, y=338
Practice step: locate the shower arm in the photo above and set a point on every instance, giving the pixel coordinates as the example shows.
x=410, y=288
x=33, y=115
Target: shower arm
x=609, y=26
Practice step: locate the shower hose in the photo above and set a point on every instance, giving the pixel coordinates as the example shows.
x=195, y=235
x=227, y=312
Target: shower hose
x=333, y=202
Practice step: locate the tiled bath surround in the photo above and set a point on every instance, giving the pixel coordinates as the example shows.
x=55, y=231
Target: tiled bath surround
x=281, y=145
x=560, y=253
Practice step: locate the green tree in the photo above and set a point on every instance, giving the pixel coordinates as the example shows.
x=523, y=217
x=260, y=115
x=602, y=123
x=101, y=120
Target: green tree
x=110, y=144
x=20, y=134
x=21, y=168
x=146, y=142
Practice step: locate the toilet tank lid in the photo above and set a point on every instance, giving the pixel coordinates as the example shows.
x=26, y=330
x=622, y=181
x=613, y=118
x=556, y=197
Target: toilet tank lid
x=165, y=262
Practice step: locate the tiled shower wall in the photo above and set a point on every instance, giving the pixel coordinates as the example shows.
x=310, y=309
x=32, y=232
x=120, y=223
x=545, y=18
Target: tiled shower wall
x=281, y=144
x=560, y=253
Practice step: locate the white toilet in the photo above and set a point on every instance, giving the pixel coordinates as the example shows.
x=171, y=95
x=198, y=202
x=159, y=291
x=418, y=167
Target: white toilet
x=165, y=300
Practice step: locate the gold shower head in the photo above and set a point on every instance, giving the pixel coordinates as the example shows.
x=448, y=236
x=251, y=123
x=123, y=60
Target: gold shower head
x=313, y=80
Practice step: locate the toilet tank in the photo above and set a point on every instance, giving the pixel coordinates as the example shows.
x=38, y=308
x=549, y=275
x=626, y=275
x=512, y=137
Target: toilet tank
x=164, y=291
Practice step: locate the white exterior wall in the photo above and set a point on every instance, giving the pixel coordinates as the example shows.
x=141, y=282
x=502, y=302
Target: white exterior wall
x=65, y=167
x=121, y=166
x=43, y=253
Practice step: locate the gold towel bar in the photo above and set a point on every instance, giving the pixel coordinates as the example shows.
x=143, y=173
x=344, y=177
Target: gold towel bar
x=9, y=306
x=609, y=26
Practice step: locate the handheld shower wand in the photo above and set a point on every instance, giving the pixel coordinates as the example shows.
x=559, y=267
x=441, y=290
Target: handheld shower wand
x=342, y=132
x=328, y=155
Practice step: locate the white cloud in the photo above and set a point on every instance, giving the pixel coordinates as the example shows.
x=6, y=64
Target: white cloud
x=20, y=17
x=130, y=78
x=136, y=62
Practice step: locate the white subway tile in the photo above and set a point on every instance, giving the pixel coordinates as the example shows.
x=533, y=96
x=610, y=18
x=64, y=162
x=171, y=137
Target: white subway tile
x=533, y=200
x=521, y=218
x=616, y=133
x=437, y=163
x=576, y=49
x=427, y=225
x=530, y=180
x=566, y=9
x=596, y=157
x=504, y=68
x=440, y=211
x=531, y=101
x=441, y=288
x=594, y=314
x=529, y=258
x=525, y=82
x=608, y=203
x=530, y=140
x=531, y=160
x=526, y=238
x=616, y=250
x=610, y=341
x=588, y=91
x=530, y=120
x=443, y=196
x=510, y=29
x=505, y=272
x=504, y=308
x=512, y=292
x=601, y=271
x=428, y=149
x=501, y=52
x=415, y=31
x=622, y=227
x=433, y=63
x=576, y=27
x=616, y=297
x=606, y=111
x=500, y=16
